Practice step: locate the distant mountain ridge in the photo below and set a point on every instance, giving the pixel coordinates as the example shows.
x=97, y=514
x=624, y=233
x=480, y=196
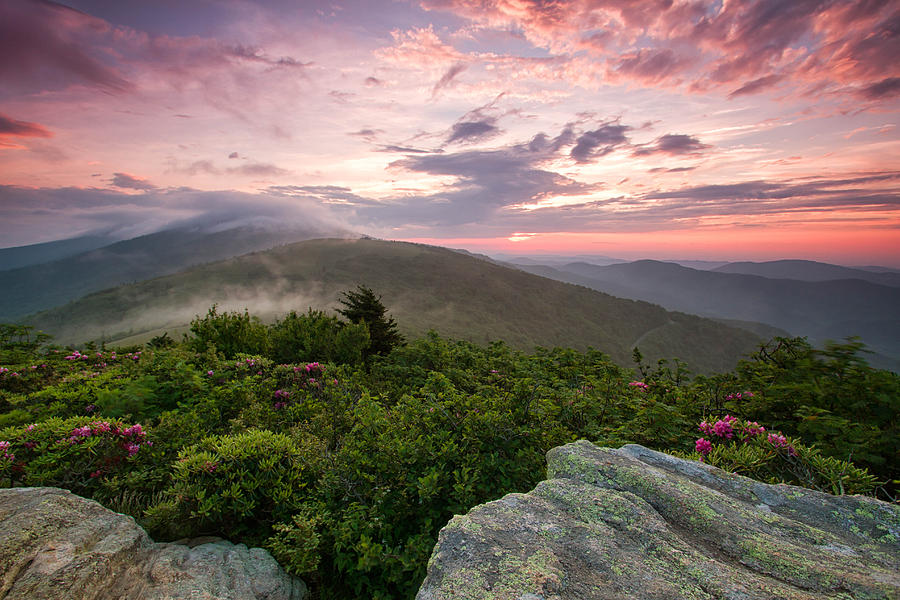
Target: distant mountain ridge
x=425, y=287
x=820, y=310
x=42, y=286
x=808, y=270
x=35, y=254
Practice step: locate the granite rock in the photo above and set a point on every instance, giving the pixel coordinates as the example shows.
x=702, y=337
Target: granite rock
x=56, y=545
x=634, y=523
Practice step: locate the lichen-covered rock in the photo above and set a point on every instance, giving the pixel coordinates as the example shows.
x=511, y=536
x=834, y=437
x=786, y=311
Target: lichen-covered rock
x=56, y=545
x=635, y=523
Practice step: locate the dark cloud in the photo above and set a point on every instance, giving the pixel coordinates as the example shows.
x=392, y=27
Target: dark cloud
x=472, y=131
x=126, y=181
x=882, y=89
x=372, y=82
x=675, y=170
x=448, y=77
x=254, y=54
x=477, y=125
x=234, y=155
x=367, y=134
x=599, y=142
x=673, y=144
x=49, y=46
x=403, y=149
x=12, y=127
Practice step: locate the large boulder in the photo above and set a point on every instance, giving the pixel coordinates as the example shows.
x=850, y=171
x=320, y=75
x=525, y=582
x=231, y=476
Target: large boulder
x=634, y=523
x=56, y=545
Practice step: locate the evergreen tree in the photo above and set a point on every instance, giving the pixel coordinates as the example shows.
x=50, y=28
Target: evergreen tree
x=364, y=306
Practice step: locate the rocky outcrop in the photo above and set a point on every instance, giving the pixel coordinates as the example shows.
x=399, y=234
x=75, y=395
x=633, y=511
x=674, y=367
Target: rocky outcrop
x=56, y=545
x=634, y=523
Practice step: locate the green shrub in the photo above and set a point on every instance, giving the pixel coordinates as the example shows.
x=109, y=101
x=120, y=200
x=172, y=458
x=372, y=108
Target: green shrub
x=237, y=486
x=230, y=332
x=315, y=336
x=295, y=545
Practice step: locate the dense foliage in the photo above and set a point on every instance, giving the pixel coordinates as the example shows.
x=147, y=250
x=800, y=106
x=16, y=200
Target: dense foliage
x=346, y=464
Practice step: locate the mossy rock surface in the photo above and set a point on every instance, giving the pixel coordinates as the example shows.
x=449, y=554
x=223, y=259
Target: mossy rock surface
x=635, y=523
x=56, y=545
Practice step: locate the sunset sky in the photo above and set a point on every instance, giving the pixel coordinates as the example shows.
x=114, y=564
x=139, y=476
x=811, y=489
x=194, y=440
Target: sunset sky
x=629, y=128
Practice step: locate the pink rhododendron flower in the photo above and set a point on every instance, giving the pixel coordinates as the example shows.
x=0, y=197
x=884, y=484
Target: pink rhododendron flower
x=703, y=446
x=723, y=429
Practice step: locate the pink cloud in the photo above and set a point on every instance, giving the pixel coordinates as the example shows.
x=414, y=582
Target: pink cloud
x=739, y=48
x=47, y=46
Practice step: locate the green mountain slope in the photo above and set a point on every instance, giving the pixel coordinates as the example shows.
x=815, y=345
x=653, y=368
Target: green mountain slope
x=425, y=288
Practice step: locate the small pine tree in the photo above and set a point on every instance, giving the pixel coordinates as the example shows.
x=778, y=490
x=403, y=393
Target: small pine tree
x=364, y=306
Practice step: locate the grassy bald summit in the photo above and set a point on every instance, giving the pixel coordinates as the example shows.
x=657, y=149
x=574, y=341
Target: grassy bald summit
x=425, y=287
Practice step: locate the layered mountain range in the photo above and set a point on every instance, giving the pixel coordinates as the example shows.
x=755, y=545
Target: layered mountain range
x=130, y=290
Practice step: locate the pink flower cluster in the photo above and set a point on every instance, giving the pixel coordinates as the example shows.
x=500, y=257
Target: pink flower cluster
x=722, y=428
x=132, y=438
x=754, y=428
x=779, y=441
x=282, y=397
x=7, y=455
x=739, y=396
x=5, y=371
x=310, y=368
x=76, y=355
x=639, y=384
x=703, y=446
x=726, y=428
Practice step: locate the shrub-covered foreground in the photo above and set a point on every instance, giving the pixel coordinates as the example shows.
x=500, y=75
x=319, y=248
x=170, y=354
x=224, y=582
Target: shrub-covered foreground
x=346, y=463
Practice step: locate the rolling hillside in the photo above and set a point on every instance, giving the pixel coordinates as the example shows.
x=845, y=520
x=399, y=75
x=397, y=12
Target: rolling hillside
x=425, y=287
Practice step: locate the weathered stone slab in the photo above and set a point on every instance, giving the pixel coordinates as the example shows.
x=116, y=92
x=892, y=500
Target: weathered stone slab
x=56, y=545
x=634, y=523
